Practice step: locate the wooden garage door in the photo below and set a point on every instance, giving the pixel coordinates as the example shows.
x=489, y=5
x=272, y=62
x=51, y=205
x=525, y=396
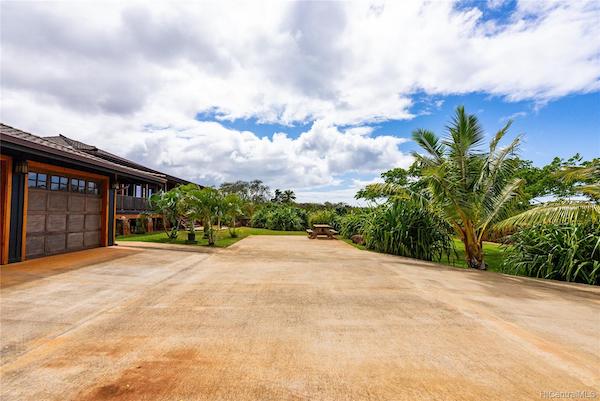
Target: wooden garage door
x=63, y=214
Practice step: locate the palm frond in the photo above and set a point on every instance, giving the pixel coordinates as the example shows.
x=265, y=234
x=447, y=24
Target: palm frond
x=559, y=212
x=499, y=204
x=428, y=141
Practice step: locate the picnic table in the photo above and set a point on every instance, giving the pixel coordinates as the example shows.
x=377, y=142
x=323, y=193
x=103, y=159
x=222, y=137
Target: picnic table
x=321, y=230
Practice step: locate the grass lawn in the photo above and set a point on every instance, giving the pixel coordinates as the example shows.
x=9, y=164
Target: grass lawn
x=223, y=239
x=492, y=254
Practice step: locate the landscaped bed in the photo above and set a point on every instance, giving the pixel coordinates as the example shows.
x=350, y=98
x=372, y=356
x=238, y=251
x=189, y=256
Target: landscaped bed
x=223, y=238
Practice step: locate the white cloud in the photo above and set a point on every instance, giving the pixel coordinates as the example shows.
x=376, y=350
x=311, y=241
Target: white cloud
x=106, y=72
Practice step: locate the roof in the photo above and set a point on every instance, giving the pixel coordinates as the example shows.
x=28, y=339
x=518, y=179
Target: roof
x=76, y=152
x=93, y=150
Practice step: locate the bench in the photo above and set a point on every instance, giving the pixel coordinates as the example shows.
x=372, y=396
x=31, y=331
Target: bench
x=310, y=233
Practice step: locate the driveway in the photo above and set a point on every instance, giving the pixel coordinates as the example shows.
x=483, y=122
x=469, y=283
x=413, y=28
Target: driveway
x=277, y=318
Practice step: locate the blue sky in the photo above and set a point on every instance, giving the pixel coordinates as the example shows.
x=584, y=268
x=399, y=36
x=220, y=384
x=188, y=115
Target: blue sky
x=319, y=97
x=558, y=128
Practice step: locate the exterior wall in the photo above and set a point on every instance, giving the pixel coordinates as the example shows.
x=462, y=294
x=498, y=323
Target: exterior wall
x=16, y=199
x=5, y=202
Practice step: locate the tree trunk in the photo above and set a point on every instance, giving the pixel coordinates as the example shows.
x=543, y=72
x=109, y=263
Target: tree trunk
x=473, y=250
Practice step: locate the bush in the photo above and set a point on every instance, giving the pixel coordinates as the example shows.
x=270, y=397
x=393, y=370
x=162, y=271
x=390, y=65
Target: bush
x=279, y=217
x=560, y=252
x=355, y=222
x=405, y=229
x=324, y=216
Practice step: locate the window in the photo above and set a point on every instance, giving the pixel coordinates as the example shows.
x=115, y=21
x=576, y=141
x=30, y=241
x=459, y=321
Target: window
x=77, y=185
x=138, y=191
x=37, y=180
x=58, y=183
x=92, y=188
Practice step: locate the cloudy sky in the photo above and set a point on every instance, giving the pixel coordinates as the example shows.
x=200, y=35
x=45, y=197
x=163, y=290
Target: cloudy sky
x=319, y=97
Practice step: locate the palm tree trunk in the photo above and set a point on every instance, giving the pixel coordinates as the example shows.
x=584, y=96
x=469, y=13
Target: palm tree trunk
x=473, y=249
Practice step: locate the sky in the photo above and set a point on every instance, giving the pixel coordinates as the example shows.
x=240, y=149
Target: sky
x=318, y=97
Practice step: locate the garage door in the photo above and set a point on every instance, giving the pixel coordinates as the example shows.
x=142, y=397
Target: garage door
x=63, y=214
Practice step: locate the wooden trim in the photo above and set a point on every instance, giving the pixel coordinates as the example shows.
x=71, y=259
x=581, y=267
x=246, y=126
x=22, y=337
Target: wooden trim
x=24, y=230
x=114, y=216
x=104, y=228
x=7, y=178
x=44, y=167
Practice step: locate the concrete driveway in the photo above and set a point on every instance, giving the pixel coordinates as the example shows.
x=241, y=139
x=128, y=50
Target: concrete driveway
x=287, y=318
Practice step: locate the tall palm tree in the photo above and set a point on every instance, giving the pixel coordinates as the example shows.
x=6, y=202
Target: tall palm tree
x=566, y=211
x=288, y=196
x=469, y=187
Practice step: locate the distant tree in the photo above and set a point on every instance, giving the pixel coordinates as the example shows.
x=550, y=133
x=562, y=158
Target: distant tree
x=277, y=196
x=288, y=196
x=546, y=181
x=582, y=180
x=249, y=191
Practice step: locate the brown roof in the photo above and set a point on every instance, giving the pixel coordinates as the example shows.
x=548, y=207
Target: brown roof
x=94, y=151
x=15, y=136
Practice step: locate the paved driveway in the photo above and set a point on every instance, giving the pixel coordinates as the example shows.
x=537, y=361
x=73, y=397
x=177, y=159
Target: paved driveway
x=287, y=318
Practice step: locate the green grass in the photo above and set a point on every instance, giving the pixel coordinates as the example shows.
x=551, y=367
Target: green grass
x=223, y=239
x=492, y=254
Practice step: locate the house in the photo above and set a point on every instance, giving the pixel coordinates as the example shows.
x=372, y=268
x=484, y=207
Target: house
x=61, y=195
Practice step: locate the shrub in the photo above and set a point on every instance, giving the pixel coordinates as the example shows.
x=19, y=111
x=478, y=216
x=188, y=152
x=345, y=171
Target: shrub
x=355, y=222
x=324, y=216
x=402, y=228
x=560, y=252
x=279, y=217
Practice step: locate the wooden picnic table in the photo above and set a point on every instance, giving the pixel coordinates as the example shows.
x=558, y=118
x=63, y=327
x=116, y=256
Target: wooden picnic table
x=321, y=230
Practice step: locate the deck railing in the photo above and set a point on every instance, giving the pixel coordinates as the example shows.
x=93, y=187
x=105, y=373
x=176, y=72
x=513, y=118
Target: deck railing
x=132, y=204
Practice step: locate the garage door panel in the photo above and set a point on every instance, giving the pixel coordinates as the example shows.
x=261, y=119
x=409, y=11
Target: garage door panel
x=91, y=238
x=93, y=205
x=55, y=243
x=36, y=200
x=34, y=245
x=76, y=222
x=57, y=201
x=74, y=241
x=36, y=223
x=76, y=203
x=92, y=222
x=56, y=223
x=62, y=216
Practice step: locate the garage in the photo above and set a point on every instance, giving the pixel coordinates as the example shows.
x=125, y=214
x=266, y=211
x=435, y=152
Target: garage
x=64, y=213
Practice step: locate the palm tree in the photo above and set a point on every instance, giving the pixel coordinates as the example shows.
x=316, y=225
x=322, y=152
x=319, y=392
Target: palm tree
x=232, y=208
x=205, y=204
x=566, y=211
x=288, y=196
x=468, y=187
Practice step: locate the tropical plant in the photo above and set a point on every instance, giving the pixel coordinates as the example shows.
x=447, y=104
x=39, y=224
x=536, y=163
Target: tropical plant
x=324, y=216
x=405, y=228
x=279, y=217
x=584, y=181
x=469, y=188
x=232, y=206
x=188, y=206
x=168, y=204
x=355, y=222
x=561, y=252
x=203, y=204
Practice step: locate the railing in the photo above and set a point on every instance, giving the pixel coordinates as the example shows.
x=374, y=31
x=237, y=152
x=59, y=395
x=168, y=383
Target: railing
x=132, y=203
